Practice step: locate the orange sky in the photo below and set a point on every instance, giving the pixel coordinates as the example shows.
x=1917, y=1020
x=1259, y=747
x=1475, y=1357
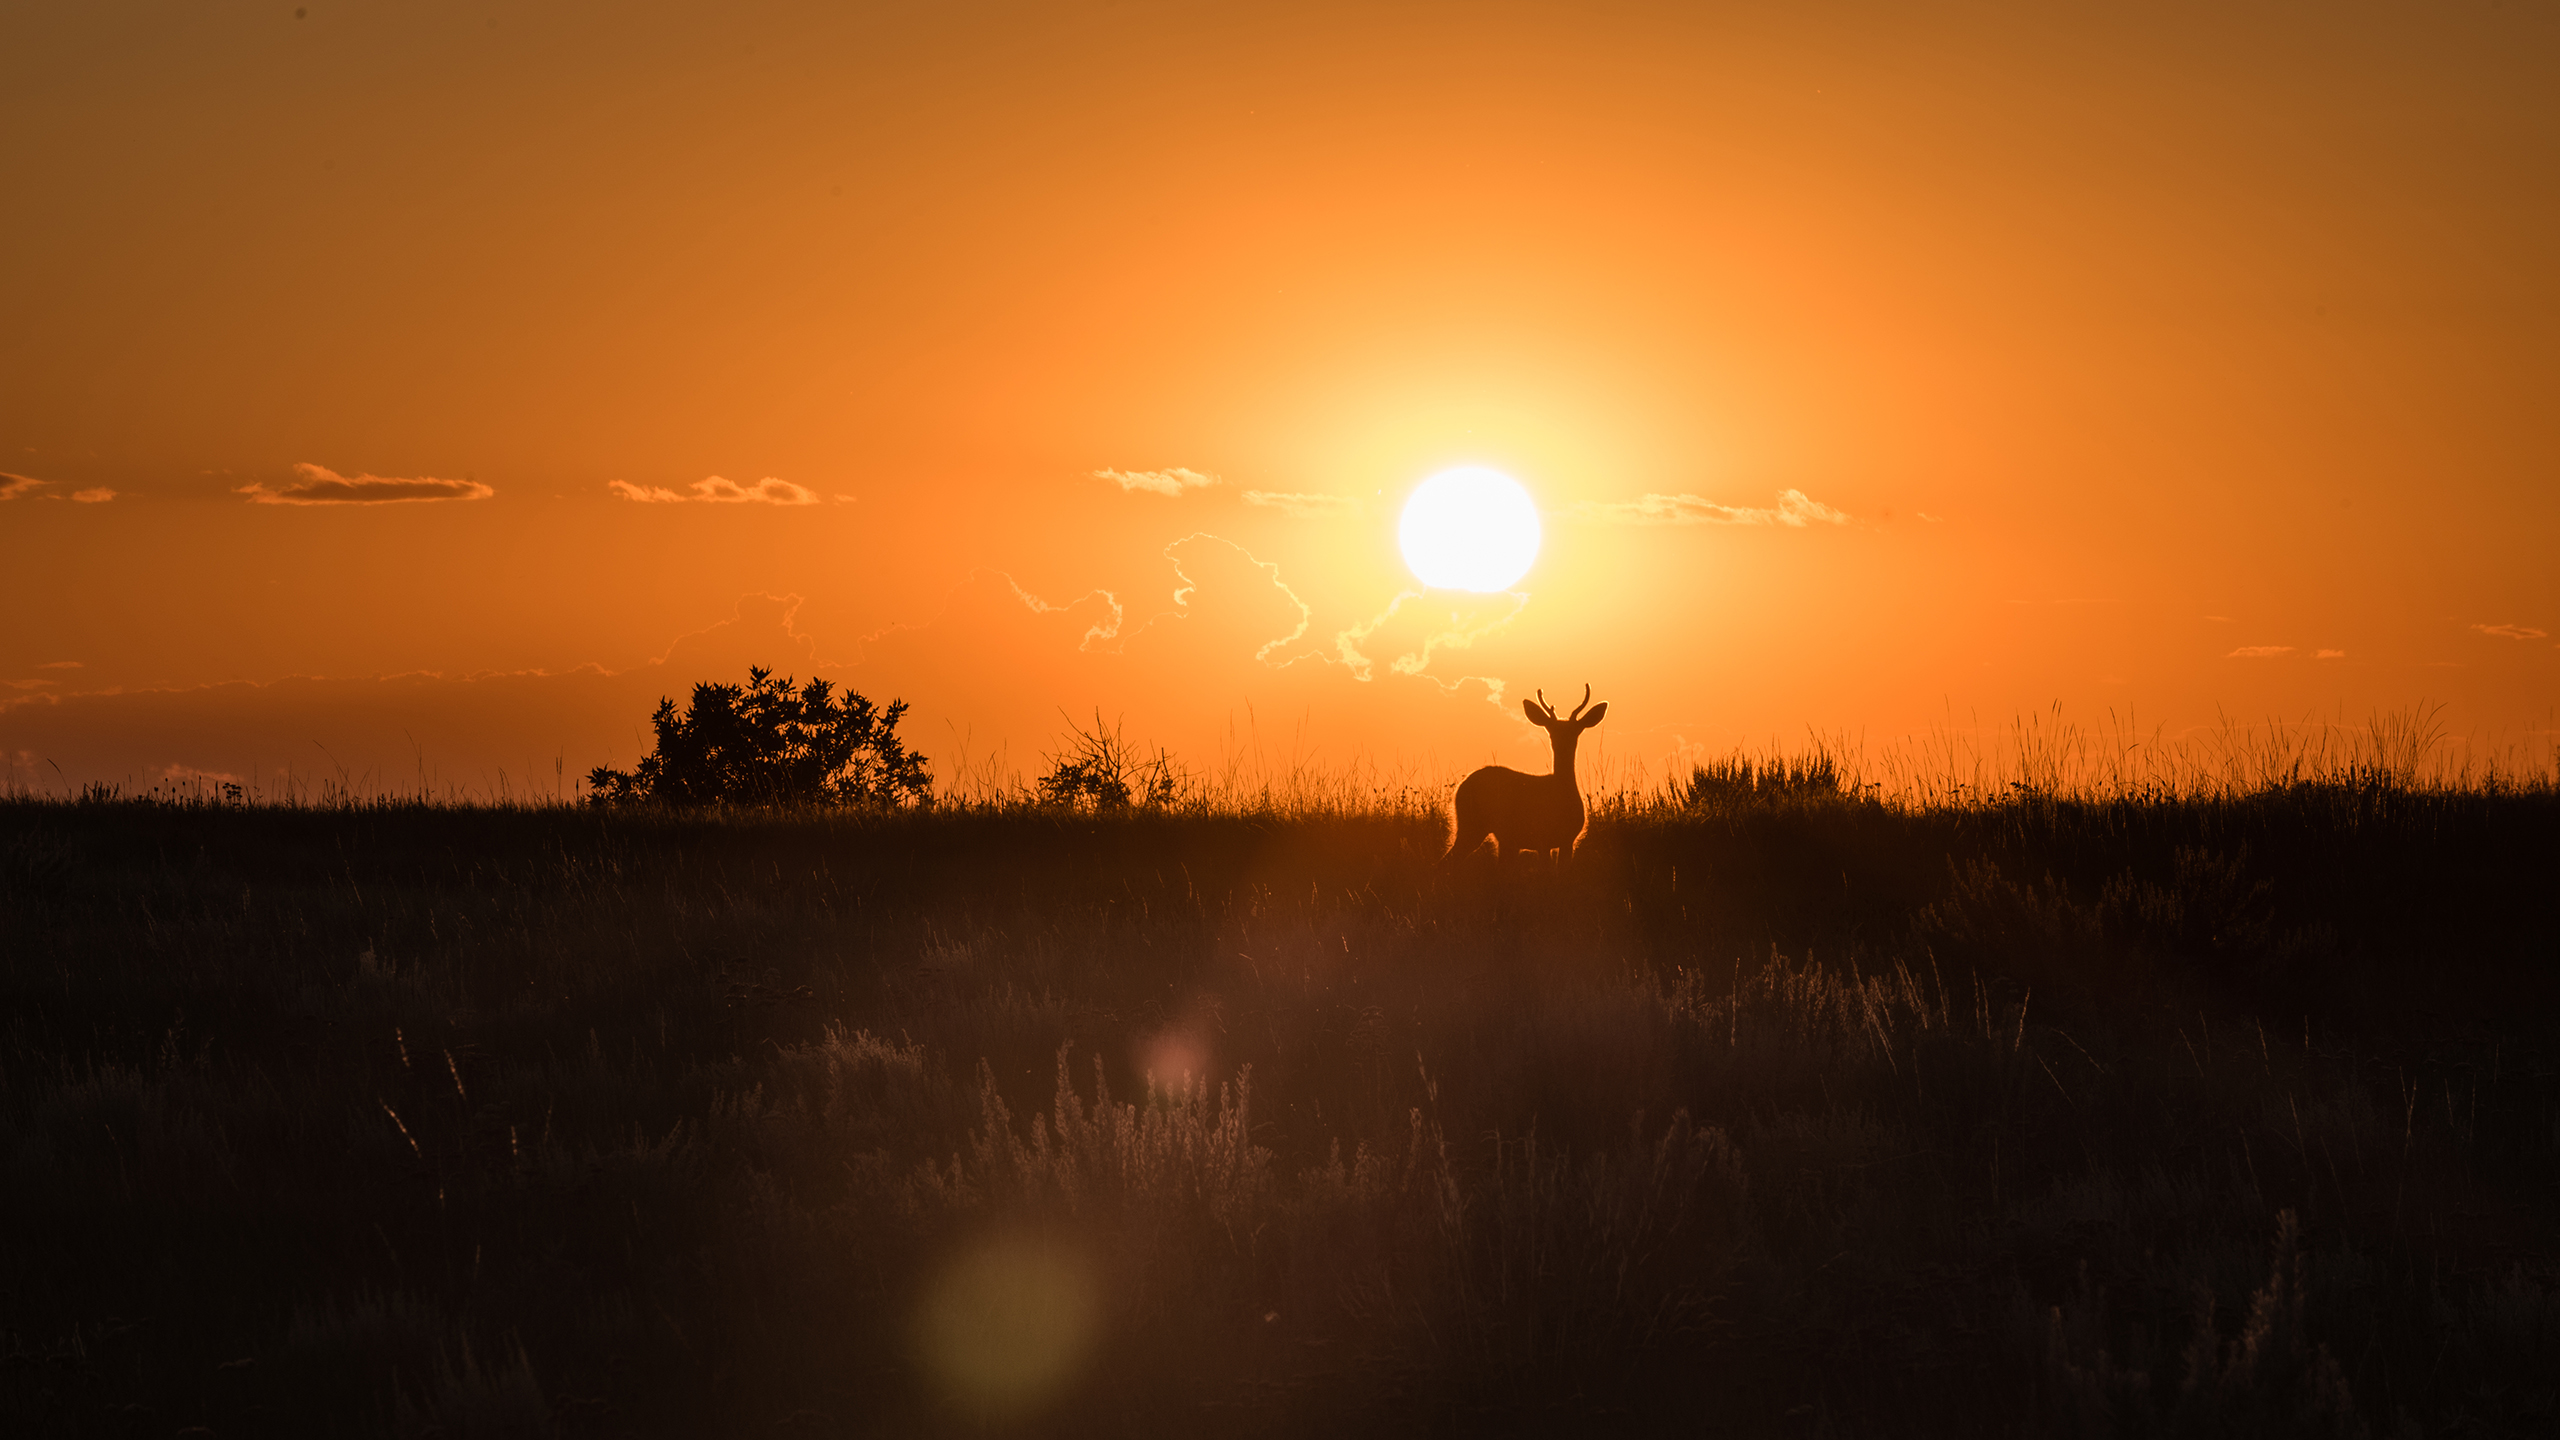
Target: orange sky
x=2126, y=346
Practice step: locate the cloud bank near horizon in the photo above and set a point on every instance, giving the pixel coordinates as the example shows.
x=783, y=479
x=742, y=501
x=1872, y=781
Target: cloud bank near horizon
x=1157, y=482
x=321, y=485
x=14, y=486
x=1303, y=505
x=719, y=490
x=1795, y=509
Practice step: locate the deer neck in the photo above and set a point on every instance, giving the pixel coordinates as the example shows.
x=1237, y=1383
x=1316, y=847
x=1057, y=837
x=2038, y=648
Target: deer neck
x=1564, y=748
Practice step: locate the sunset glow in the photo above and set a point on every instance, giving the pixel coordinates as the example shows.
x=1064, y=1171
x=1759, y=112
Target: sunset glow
x=1018, y=360
x=1130, y=718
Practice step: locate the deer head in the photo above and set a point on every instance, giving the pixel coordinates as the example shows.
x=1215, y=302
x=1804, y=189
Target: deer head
x=1564, y=727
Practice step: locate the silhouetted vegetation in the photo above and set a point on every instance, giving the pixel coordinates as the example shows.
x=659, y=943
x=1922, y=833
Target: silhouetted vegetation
x=1784, y=1111
x=765, y=743
x=1743, y=776
x=1098, y=769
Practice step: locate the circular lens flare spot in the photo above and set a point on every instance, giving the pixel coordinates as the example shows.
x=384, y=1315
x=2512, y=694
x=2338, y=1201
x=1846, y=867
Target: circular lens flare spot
x=1469, y=529
x=1006, y=1327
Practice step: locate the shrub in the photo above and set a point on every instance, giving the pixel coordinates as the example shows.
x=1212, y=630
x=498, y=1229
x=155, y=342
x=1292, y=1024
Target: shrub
x=765, y=743
x=1097, y=769
x=1739, y=778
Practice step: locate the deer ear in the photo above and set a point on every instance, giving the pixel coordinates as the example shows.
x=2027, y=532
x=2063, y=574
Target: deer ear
x=1596, y=712
x=1530, y=709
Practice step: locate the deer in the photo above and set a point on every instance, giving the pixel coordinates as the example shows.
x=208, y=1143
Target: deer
x=1521, y=811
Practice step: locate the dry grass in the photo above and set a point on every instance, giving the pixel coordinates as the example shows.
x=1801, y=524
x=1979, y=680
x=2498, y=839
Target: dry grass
x=1790, y=1109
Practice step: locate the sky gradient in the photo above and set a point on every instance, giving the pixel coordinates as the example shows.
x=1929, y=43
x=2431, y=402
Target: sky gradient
x=430, y=389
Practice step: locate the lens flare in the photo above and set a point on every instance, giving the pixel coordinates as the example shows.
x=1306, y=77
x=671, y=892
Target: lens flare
x=1006, y=1327
x=1469, y=529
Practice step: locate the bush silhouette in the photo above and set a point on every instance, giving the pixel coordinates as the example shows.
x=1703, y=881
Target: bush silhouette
x=765, y=743
x=1098, y=769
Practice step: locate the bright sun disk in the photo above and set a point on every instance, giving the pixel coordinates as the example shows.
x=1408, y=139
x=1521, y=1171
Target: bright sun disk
x=1469, y=529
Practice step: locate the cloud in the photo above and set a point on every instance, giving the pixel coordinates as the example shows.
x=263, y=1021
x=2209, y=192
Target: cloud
x=13, y=487
x=1426, y=635
x=1158, y=482
x=774, y=618
x=767, y=491
x=1794, y=508
x=1186, y=587
x=1101, y=632
x=179, y=773
x=2330, y=655
x=2513, y=632
x=716, y=490
x=2259, y=652
x=644, y=494
x=1303, y=506
x=322, y=486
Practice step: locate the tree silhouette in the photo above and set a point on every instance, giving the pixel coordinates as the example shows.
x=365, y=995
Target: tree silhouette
x=765, y=743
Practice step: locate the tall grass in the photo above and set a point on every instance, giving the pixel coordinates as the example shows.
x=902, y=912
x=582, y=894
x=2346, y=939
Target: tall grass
x=1792, y=1107
x=2046, y=755
x=1097, y=765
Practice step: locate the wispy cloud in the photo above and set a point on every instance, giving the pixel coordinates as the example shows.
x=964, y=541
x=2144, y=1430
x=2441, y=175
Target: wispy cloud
x=1102, y=632
x=1303, y=506
x=320, y=485
x=2259, y=652
x=767, y=491
x=644, y=494
x=2513, y=632
x=1461, y=633
x=2330, y=655
x=1186, y=587
x=717, y=490
x=1794, y=508
x=13, y=487
x=1158, y=482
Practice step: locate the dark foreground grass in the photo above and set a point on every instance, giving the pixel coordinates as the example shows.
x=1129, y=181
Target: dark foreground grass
x=1789, y=1115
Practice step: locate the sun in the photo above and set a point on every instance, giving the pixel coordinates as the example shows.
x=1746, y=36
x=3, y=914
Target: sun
x=1469, y=529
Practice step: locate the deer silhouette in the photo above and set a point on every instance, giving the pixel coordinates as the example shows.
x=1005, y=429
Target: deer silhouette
x=1522, y=811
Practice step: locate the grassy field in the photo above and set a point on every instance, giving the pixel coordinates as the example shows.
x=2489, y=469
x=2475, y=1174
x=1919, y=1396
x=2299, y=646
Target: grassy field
x=1782, y=1112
